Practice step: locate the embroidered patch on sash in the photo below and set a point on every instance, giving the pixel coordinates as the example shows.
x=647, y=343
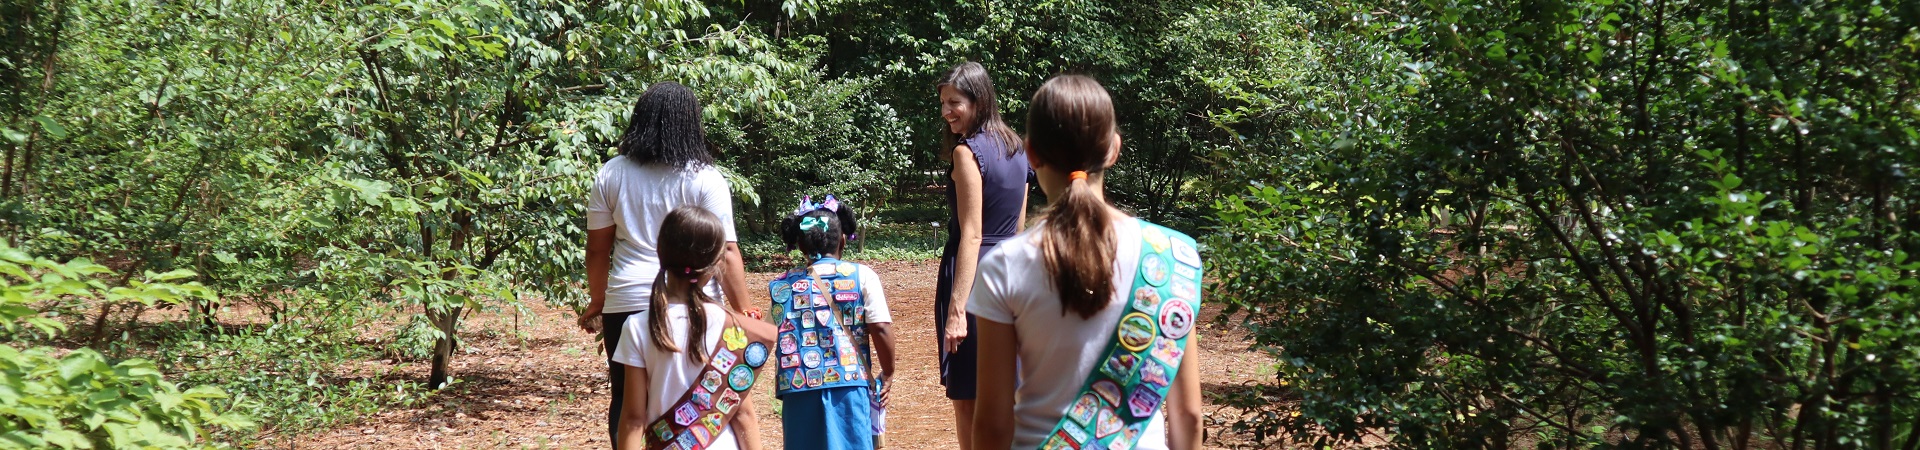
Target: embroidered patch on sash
x=1167, y=351
x=1155, y=238
x=1061, y=441
x=684, y=415
x=1187, y=272
x=728, y=400
x=1108, y=391
x=1108, y=423
x=735, y=338
x=1136, y=332
x=1185, y=253
x=1120, y=366
x=1076, y=432
x=725, y=360
x=1082, y=410
x=1154, y=374
x=1185, y=290
x=740, y=378
x=1146, y=299
x=662, y=430
x=1153, y=269
x=710, y=380
x=756, y=354
x=1176, y=319
x=1143, y=402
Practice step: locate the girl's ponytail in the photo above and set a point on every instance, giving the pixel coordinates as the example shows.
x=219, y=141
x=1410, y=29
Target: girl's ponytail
x=691, y=240
x=1071, y=127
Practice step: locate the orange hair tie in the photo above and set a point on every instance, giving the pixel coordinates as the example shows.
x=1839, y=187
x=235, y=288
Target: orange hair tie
x=1077, y=175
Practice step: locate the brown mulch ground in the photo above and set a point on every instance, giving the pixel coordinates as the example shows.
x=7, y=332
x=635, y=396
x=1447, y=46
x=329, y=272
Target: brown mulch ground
x=544, y=386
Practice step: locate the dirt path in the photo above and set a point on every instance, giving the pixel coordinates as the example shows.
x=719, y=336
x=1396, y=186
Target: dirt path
x=546, y=387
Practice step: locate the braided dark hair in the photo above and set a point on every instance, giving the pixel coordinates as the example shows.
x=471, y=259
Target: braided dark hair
x=822, y=241
x=665, y=128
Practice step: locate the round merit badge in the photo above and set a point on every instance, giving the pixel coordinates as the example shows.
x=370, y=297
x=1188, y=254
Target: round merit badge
x=756, y=354
x=810, y=357
x=1146, y=299
x=1154, y=269
x=740, y=378
x=1136, y=331
x=1176, y=319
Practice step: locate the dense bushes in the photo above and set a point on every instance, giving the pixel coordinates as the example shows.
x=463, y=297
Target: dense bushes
x=81, y=399
x=1574, y=224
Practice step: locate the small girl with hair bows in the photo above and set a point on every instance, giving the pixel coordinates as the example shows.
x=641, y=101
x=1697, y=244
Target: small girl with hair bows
x=829, y=313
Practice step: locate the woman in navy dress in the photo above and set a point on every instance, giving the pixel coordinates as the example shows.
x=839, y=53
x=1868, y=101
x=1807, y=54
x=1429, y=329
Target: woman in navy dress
x=988, y=203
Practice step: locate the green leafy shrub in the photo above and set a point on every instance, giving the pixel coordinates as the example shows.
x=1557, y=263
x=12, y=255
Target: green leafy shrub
x=80, y=399
x=1566, y=224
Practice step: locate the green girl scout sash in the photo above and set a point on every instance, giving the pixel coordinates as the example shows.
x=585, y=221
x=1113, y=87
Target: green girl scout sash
x=1132, y=379
x=703, y=411
x=822, y=316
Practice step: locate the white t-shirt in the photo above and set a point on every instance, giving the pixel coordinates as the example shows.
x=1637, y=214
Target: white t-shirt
x=873, y=294
x=1057, y=351
x=670, y=374
x=637, y=198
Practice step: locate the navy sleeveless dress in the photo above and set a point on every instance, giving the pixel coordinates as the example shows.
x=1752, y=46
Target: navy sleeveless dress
x=1003, y=189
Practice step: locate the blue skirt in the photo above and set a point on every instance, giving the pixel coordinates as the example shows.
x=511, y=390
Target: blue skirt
x=829, y=419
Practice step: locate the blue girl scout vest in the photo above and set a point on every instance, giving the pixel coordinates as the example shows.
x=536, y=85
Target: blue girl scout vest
x=1134, y=374
x=822, y=316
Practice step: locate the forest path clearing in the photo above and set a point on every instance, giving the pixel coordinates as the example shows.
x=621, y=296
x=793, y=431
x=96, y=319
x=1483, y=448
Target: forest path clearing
x=547, y=387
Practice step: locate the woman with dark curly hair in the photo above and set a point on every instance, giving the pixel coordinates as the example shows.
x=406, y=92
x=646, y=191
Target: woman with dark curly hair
x=664, y=163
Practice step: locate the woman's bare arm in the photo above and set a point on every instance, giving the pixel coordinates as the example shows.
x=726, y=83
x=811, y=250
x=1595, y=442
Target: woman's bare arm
x=967, y=196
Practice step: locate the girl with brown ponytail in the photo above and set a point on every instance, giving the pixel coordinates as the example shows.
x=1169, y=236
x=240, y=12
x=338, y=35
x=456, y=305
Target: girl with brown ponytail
x=1096, y=306
x=688, y=351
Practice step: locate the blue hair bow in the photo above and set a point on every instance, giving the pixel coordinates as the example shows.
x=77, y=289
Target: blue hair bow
x=807, y=205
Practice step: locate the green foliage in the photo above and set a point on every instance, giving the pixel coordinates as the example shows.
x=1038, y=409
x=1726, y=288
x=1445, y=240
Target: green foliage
x=81, y=399
x=1579, y=224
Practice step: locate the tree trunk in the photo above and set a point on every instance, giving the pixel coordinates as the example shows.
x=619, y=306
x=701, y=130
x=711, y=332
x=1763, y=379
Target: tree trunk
x=447, y=322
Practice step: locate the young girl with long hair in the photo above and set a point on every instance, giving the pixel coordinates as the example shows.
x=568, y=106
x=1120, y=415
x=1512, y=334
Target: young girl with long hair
x=988, y=203
x=1098, y=307
x=830, y=312
x=664, y=163
x=690, y=360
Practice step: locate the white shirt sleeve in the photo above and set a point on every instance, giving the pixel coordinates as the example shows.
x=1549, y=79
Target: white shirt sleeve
x=876, y=297
x=717, y=198
x=988, y=298
x=633, y=342
x=599, y=207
